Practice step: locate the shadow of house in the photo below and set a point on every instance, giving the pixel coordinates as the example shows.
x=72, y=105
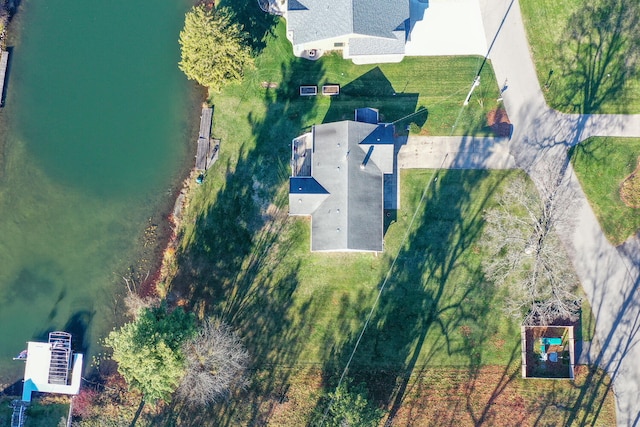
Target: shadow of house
x=372, y=89
x=418, y=9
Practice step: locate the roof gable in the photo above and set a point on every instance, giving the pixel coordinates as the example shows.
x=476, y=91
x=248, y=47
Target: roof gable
x=346, y=186
x=313, y=20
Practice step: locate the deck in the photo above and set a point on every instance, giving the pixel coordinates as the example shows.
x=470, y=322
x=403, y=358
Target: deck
x=301, y=148
x=208, y=148
x=47, y=367
x=4, y=62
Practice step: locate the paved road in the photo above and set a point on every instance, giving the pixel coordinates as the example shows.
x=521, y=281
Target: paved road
x=609, y=275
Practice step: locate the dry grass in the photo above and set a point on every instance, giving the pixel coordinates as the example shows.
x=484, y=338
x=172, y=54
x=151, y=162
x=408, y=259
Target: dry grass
x=490, y=395
x=630, y=189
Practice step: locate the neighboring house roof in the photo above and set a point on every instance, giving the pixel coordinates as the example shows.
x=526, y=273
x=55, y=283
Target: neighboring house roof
x=383, y=20
x=344, y=194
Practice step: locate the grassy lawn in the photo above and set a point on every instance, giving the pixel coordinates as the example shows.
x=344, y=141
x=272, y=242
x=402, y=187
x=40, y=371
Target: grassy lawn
x=48, y=411
x=437, y=85
x=300, y=313
x=590, y=48
x=601, y=165
x=242, y=258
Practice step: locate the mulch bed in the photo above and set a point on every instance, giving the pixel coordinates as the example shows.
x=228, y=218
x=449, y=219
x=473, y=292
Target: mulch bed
x=499, y=123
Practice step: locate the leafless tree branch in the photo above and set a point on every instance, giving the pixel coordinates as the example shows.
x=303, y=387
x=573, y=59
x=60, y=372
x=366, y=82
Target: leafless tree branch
x=216, y=361
x=524, y=253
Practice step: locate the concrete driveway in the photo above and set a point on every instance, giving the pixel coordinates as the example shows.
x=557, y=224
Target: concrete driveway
x=446, y=27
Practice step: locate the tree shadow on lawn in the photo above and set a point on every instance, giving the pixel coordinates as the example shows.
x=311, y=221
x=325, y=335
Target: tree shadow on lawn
x=238, y=266
x=599, y=55
x=257, y=23
x=435, y=304
x=595, y=149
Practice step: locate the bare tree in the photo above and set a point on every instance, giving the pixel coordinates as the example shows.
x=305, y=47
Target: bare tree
x=216, y=361
x=525, y=254
x=133, y=301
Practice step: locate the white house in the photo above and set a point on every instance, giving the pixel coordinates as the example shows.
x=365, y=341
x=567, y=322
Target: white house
x=366, y=31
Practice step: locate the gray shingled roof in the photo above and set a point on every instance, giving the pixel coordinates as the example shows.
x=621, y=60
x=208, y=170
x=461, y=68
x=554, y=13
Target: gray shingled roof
x=378, y=46
x=345, y=201
x=311, y=20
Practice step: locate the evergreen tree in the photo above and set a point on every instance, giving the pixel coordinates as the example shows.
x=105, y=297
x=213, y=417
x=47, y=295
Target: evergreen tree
x=214, y=49
x=148, y=350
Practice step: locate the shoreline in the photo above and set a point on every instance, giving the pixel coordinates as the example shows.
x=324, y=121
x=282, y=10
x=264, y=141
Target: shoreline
x=159, y=240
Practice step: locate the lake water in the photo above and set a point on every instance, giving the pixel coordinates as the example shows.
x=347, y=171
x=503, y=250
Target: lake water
x=95, y=134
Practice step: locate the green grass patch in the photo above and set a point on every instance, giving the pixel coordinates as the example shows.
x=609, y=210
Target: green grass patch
x=590, y=46
x=436, y=308
x=242, y=258
x=50, y=411
x=601, y=164
x=297, y=309
x=437, y=85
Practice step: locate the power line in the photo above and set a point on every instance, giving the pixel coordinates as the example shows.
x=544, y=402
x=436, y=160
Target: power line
x=384, y=284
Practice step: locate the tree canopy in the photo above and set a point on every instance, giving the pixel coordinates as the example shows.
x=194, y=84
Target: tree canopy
x=215, y=363
x=148, y=350
x=214, y=49
x=526, y=255
x=348, y=406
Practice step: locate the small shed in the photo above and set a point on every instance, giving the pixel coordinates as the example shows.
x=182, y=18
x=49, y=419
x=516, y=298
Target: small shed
x=367, y=115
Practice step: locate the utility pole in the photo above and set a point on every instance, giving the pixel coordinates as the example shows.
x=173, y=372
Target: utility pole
x=476, y=83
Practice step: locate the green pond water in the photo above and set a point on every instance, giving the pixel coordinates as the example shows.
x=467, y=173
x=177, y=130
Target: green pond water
x=95, y=137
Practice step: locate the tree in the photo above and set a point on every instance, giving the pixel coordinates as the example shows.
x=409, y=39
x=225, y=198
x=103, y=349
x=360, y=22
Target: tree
x=214, y=50
x=215, y=363
x=526, y=256
x=148, y=350
x=348, y=406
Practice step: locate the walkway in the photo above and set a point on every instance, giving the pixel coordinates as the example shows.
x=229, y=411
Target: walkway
x=455, y=152
x=609, y=275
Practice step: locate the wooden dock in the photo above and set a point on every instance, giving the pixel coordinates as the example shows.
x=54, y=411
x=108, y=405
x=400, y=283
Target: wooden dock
x=207, y=155
x=208, y=148
x=4, y=62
